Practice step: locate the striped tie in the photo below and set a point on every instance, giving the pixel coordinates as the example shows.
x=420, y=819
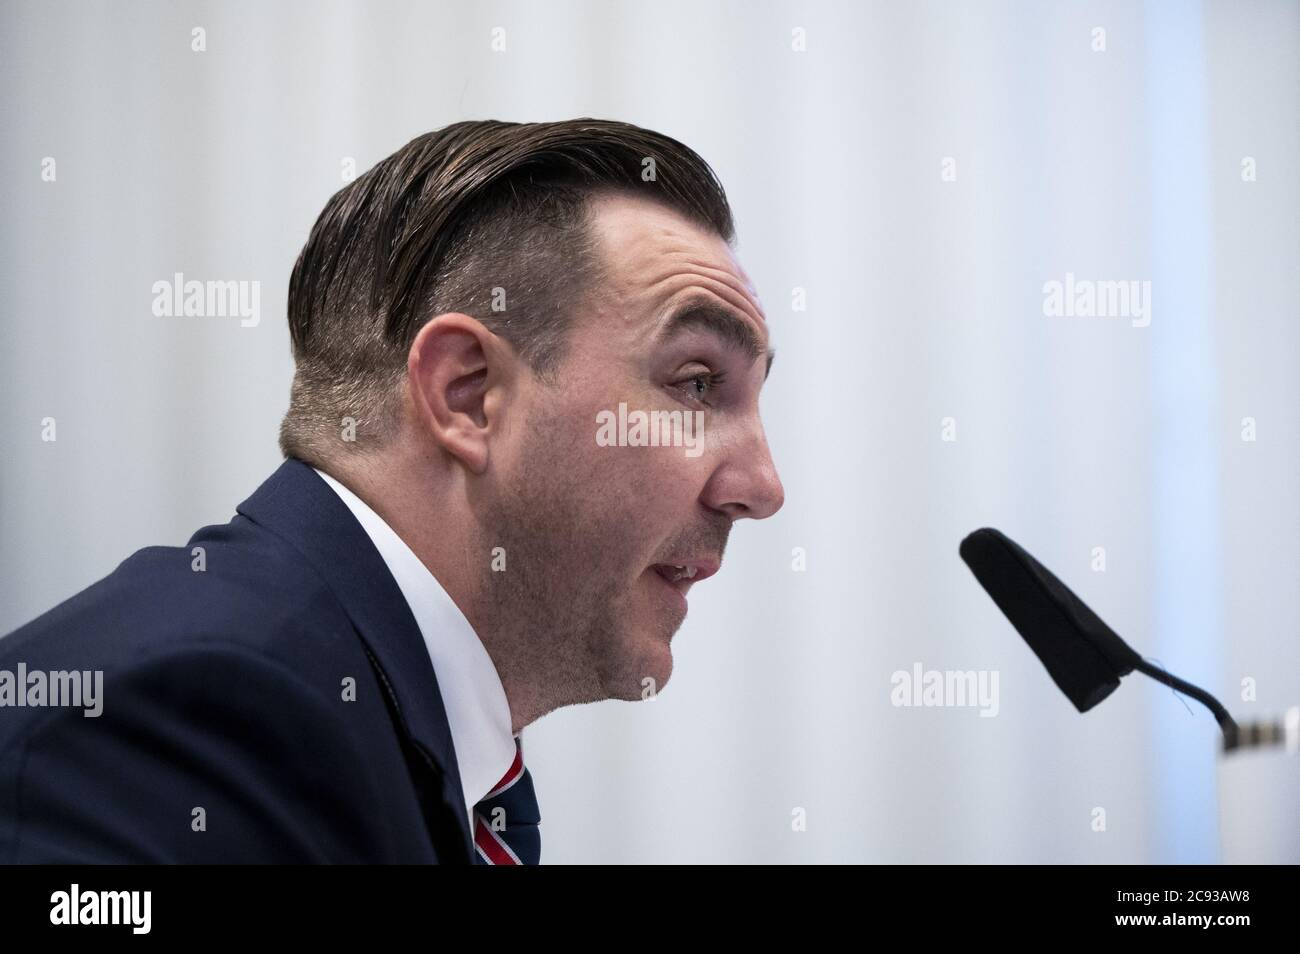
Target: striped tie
x=506, y=820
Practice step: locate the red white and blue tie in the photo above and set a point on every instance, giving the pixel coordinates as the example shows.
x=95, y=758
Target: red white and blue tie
x=507, y=819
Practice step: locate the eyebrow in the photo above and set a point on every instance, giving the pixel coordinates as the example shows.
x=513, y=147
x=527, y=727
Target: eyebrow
x=722, y=322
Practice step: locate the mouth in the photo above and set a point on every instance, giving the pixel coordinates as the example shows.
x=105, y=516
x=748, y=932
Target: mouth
x=680, y=576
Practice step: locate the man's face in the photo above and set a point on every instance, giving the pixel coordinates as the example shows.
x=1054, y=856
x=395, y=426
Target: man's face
x=596, y=520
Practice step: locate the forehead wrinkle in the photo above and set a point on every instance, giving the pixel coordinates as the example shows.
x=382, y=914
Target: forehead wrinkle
x=713, y=293
x=689, y=256
x=726, y=277
x=671, y=245
x=722, y=283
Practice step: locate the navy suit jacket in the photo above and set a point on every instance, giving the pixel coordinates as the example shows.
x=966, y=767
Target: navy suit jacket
x=226, y=689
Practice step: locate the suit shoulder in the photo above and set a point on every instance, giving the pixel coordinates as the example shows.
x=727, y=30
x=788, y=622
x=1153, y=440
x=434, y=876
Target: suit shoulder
x=235, y=582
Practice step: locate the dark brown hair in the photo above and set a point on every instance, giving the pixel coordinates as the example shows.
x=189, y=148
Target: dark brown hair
x=457, y=220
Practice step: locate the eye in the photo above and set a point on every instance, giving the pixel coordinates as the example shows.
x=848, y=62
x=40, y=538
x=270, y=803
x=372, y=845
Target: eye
x=702, y=385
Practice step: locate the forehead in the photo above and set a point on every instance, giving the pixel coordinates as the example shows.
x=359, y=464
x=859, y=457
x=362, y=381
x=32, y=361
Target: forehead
x=654, y=258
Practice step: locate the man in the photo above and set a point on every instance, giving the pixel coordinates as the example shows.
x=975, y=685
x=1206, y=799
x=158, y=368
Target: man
x=473, y=526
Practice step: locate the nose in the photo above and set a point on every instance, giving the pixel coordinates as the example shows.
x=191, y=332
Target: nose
x=746, y=483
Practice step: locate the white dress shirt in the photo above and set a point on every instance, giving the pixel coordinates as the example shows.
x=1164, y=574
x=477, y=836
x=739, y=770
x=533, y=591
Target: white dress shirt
x=472, y=694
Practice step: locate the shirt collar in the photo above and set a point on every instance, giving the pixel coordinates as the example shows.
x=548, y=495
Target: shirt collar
x=477, y=710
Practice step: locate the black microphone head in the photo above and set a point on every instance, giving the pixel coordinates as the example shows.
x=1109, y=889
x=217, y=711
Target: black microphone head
x=1082, y=654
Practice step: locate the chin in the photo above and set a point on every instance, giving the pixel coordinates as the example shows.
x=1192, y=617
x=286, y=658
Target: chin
x=648, y=664
x=660, y=671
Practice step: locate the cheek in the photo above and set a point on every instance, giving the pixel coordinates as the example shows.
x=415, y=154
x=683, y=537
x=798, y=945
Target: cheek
x=630, y=491
x=653, y=491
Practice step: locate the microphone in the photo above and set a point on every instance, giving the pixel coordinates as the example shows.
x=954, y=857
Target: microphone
x=1084, y=656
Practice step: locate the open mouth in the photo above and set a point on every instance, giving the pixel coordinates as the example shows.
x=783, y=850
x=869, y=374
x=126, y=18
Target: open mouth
x=674, y=573
x=681, y=576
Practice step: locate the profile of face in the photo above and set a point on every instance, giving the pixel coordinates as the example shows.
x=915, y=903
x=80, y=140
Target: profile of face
x=604, y=533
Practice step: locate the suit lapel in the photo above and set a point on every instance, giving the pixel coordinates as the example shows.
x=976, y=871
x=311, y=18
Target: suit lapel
x=295, y=504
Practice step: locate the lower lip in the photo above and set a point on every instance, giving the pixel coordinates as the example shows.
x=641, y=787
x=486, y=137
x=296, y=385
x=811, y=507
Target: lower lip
x=677, y=595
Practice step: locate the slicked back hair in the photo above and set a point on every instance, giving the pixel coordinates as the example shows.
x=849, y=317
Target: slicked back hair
x=486, y=218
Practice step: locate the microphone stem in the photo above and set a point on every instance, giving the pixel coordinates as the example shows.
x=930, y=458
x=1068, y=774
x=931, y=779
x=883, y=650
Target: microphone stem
x=1226, y=722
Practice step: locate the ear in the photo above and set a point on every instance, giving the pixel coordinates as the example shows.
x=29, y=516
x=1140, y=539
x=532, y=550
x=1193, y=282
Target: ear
x=458, y=373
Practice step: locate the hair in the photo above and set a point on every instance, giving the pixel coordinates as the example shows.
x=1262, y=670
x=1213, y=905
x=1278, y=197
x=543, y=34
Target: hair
x=453, y=221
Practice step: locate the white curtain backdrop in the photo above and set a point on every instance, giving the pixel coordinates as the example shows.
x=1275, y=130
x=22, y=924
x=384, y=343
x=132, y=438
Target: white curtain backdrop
x=913, y=174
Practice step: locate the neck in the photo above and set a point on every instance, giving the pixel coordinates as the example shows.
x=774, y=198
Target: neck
x=428, y=509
